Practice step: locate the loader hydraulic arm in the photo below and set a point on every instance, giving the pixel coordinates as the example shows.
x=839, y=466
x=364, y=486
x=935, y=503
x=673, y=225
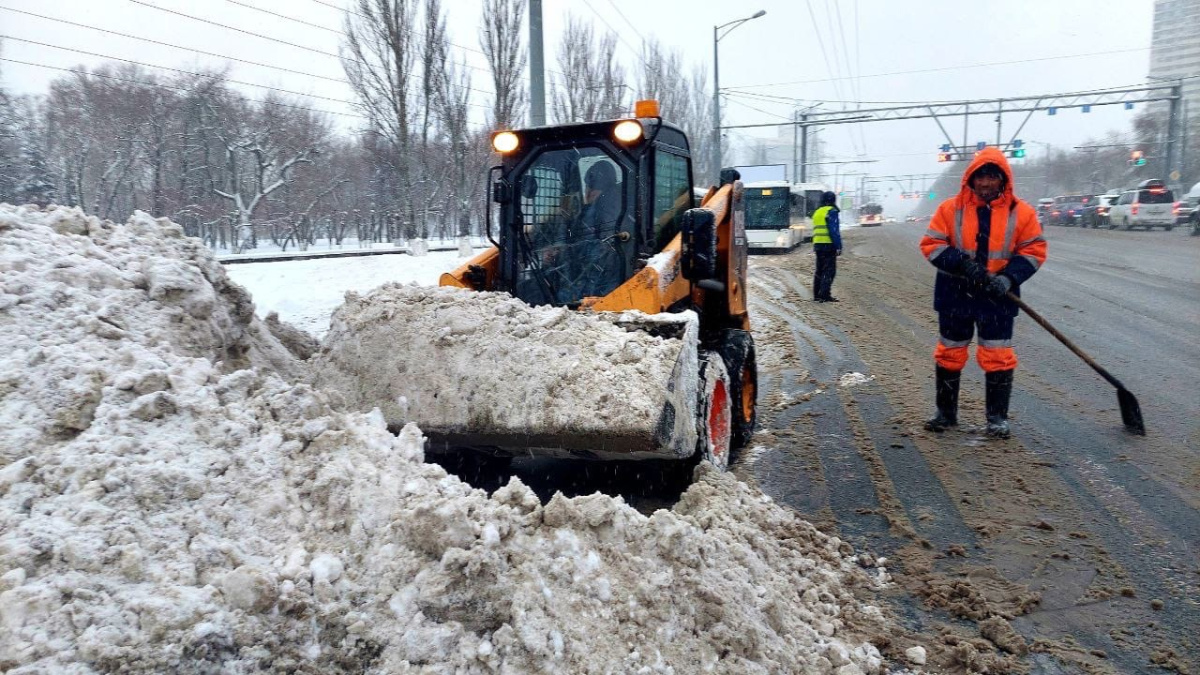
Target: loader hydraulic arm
x=660, y=285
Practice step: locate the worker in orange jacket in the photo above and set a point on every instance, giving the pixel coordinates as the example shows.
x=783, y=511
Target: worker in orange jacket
x=985, y=243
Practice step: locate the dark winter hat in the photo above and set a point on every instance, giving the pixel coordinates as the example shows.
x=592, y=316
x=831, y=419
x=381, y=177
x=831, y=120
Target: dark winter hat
x=989, y=170
x=601, y=176
x=828, y=199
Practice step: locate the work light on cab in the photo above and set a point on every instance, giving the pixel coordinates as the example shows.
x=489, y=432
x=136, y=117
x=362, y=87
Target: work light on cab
x=505, y=142
x=627, y=131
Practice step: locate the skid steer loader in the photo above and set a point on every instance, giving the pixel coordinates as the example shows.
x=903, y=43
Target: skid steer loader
x=599, y=218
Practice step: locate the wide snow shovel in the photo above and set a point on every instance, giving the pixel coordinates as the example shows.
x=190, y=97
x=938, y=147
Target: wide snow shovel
x=1131, y=412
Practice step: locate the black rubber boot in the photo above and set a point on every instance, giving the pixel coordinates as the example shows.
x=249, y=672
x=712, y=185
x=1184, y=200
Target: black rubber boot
x=947, y=400
x=999, y=391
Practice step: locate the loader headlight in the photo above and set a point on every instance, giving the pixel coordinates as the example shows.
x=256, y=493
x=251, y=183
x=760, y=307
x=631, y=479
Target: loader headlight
x=627, y=131
x=505, y=142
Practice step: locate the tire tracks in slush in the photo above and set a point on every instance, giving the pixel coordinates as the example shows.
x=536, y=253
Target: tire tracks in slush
x=932, y=489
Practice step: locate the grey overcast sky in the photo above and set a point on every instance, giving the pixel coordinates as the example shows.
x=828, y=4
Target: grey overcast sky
x=1066, y=45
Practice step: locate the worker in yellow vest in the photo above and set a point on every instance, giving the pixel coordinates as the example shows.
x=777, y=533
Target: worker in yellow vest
x=827, y=244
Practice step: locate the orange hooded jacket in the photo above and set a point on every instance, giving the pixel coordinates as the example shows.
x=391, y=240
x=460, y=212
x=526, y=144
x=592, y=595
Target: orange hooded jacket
x=1015, y=246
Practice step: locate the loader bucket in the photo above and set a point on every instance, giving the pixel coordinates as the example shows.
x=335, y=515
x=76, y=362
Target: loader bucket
x=487, y=371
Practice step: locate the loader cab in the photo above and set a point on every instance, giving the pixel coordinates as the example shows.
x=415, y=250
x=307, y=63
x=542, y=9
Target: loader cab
x=583, y=206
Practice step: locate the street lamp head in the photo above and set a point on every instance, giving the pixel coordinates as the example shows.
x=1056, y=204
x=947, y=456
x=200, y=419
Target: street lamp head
x=761, y=12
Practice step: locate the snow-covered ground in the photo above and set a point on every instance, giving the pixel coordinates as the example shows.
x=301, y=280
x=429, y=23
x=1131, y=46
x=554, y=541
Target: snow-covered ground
x=305, y=292
x=173, y=498
x=348, y=245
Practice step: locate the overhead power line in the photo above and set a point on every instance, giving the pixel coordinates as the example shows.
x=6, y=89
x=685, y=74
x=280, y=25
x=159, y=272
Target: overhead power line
x=364, y=16
x=628, y=22
x=160, y=85
x=172, y=46
x=176, y=70
x=760, y=110
x=463, y=47
x=948, y=68
x=258, y=35
x=236, y=29
x=600, y=16
x=326, y=28
x=285, y=17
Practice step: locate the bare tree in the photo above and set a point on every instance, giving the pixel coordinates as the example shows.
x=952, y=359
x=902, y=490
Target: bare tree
x=379, y=59
x=9, y=143
x=453, y=109
x=590, y=82
x=696, y=121
x=614, y=88
x=260, y=153
x=500, y=38
x=575, y=89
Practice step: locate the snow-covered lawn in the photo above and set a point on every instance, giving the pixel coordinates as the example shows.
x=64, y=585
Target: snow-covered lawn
x=305, y=292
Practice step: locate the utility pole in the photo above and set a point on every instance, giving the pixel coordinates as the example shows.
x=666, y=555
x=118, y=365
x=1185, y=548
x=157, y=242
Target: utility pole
x=999, y=119
x=795, y=147
x=537, y=69
x=804, y=149
x=716, y=139
x=1183, y=140
x=1173, y=128
x=716, y=149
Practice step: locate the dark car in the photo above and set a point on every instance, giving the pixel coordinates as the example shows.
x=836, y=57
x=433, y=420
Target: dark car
x=1095, y=212
x=1068, y=209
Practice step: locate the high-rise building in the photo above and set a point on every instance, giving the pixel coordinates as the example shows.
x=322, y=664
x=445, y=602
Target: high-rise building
x=1175, y=48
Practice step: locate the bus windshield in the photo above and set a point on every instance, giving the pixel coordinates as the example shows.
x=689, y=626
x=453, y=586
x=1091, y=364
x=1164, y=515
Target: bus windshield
x=767, y=208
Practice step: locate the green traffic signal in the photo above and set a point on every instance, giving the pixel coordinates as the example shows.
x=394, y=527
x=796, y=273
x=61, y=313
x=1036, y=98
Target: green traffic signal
x=1017, y=153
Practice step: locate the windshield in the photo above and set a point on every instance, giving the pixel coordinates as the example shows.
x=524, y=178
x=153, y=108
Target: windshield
x=571, y=206
x=766, y=208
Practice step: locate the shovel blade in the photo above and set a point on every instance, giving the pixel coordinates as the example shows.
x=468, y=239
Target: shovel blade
x=1131, y=412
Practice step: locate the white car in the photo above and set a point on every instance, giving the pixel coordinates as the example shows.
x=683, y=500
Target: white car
x=1150, y=205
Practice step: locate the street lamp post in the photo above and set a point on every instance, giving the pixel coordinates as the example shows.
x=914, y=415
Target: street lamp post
x=717, y=35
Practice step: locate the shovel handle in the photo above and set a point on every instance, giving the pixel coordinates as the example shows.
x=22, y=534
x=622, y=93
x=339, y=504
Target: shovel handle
x=1066, y=341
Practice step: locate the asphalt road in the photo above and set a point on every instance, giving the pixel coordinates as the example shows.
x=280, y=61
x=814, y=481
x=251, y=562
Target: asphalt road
x=1073, y=546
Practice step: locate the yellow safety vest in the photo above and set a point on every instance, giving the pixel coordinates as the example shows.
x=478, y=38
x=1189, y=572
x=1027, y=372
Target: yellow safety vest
x=820, y=229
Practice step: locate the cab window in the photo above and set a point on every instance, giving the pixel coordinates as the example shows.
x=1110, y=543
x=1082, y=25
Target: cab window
x=672, y=196
x=571, y=206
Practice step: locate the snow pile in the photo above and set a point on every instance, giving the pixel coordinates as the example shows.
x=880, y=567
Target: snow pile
x=84, y=301
x=854, y=379
x=169, y=502
x=454, y=360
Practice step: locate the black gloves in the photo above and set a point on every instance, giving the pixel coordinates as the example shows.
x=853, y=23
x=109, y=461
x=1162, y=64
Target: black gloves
x=995, y=285
x=998, y=285
x=974, y=271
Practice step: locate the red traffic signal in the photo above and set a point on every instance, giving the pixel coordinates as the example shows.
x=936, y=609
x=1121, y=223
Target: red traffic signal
x=944, y=156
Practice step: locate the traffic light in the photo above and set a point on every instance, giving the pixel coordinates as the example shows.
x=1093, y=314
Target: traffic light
x=944, y=157
x=1017, y=153
x=1137, y=158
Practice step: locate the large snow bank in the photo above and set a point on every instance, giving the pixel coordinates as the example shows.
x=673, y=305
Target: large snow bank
x=170, y=502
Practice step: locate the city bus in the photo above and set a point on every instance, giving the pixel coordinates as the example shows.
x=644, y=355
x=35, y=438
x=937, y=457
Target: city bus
x=774, y=217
